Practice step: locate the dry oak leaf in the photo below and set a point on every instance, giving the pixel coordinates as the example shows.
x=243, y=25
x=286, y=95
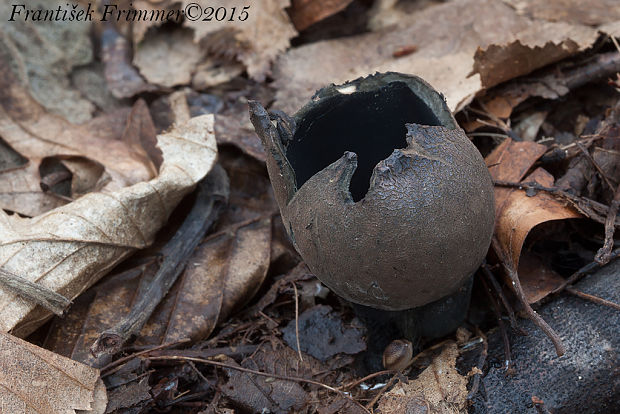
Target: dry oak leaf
x=447, y=37
x=439, y=389
x=589, y=13
x=305, y=13
x=30, y=130
x=516, y=213
x=71, y=247
x=255, y=41
x=35, y=380
x=222, y=274
x=533, y=48
x=168, y=58
x=43, y=56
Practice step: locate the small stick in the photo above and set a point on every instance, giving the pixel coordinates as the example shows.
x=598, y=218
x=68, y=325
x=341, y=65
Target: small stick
x=480, y=365
x=587, y=154
x=603, y=256
x=34, y=292
x=535, y=317
x=297, y=322
x=500, y=322
x=498, y=291
x=212, y=191
x=590, y=267
x=137, y=354
x=381, y=392
x=589, y=208
x=593, y=298
x=259, y=373
x=230, y=351
x=366, y=378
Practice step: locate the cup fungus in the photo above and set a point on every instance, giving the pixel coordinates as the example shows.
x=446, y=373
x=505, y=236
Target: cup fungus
x=383, y=195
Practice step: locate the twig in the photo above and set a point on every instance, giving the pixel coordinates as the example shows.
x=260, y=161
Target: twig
x=366, y=378
x=603, y=256
x=230, y=351
x=490, y=277
x=592, y=298
x=211, y=193
x=260, y=373
x=381, y=392
x=516, y=284
x=297, y=321
x=598, y=168
x=589, y=268
x=481, y=360
x=202, y=377
x=137, y=354
x=500, y=322
x=589, y=208
x=34, y=292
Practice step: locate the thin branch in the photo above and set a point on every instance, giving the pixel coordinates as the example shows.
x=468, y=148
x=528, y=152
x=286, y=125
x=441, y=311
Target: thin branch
x=587, y=269
x=603, y=256
x=516, y=284
x=34, y=292
x=381, y=392
x=598, y=168
x=137, y=354
x=366, y=378
x=589, y=208
x=490, y=277
x=593, y=298
x=500, y=322
x=211, y=193
x=297, y=321
x=260, y=373
x=481, y=360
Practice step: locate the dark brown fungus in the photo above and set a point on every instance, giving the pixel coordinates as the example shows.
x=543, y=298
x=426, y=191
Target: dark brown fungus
x=383, y=195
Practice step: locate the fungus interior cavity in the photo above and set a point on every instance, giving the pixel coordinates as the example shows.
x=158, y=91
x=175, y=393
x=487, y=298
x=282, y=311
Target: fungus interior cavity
x=371, y=124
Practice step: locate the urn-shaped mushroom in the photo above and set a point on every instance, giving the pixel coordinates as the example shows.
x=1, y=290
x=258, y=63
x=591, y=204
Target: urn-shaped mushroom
x=383, y=195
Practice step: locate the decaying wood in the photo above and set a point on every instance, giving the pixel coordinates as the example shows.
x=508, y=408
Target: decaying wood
x=583, y=377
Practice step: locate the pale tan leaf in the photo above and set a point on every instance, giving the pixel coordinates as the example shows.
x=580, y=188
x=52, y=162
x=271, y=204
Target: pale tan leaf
x=591, y=13
x=439, y=389
x=43, y=56
x=256, y=42
x=35, y=380
x=444, y=38
x=168, y=58
x=36, y=134
x=71, y=247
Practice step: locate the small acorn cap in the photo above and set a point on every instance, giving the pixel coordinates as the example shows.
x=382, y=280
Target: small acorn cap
x=383, y=195
x=397, y=355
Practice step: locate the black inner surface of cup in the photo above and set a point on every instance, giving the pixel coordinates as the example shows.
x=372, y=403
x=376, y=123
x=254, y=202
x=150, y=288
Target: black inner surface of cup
x=370, y=124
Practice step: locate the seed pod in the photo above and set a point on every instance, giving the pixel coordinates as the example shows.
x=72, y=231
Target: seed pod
x=397, y=355
x=383, y=195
